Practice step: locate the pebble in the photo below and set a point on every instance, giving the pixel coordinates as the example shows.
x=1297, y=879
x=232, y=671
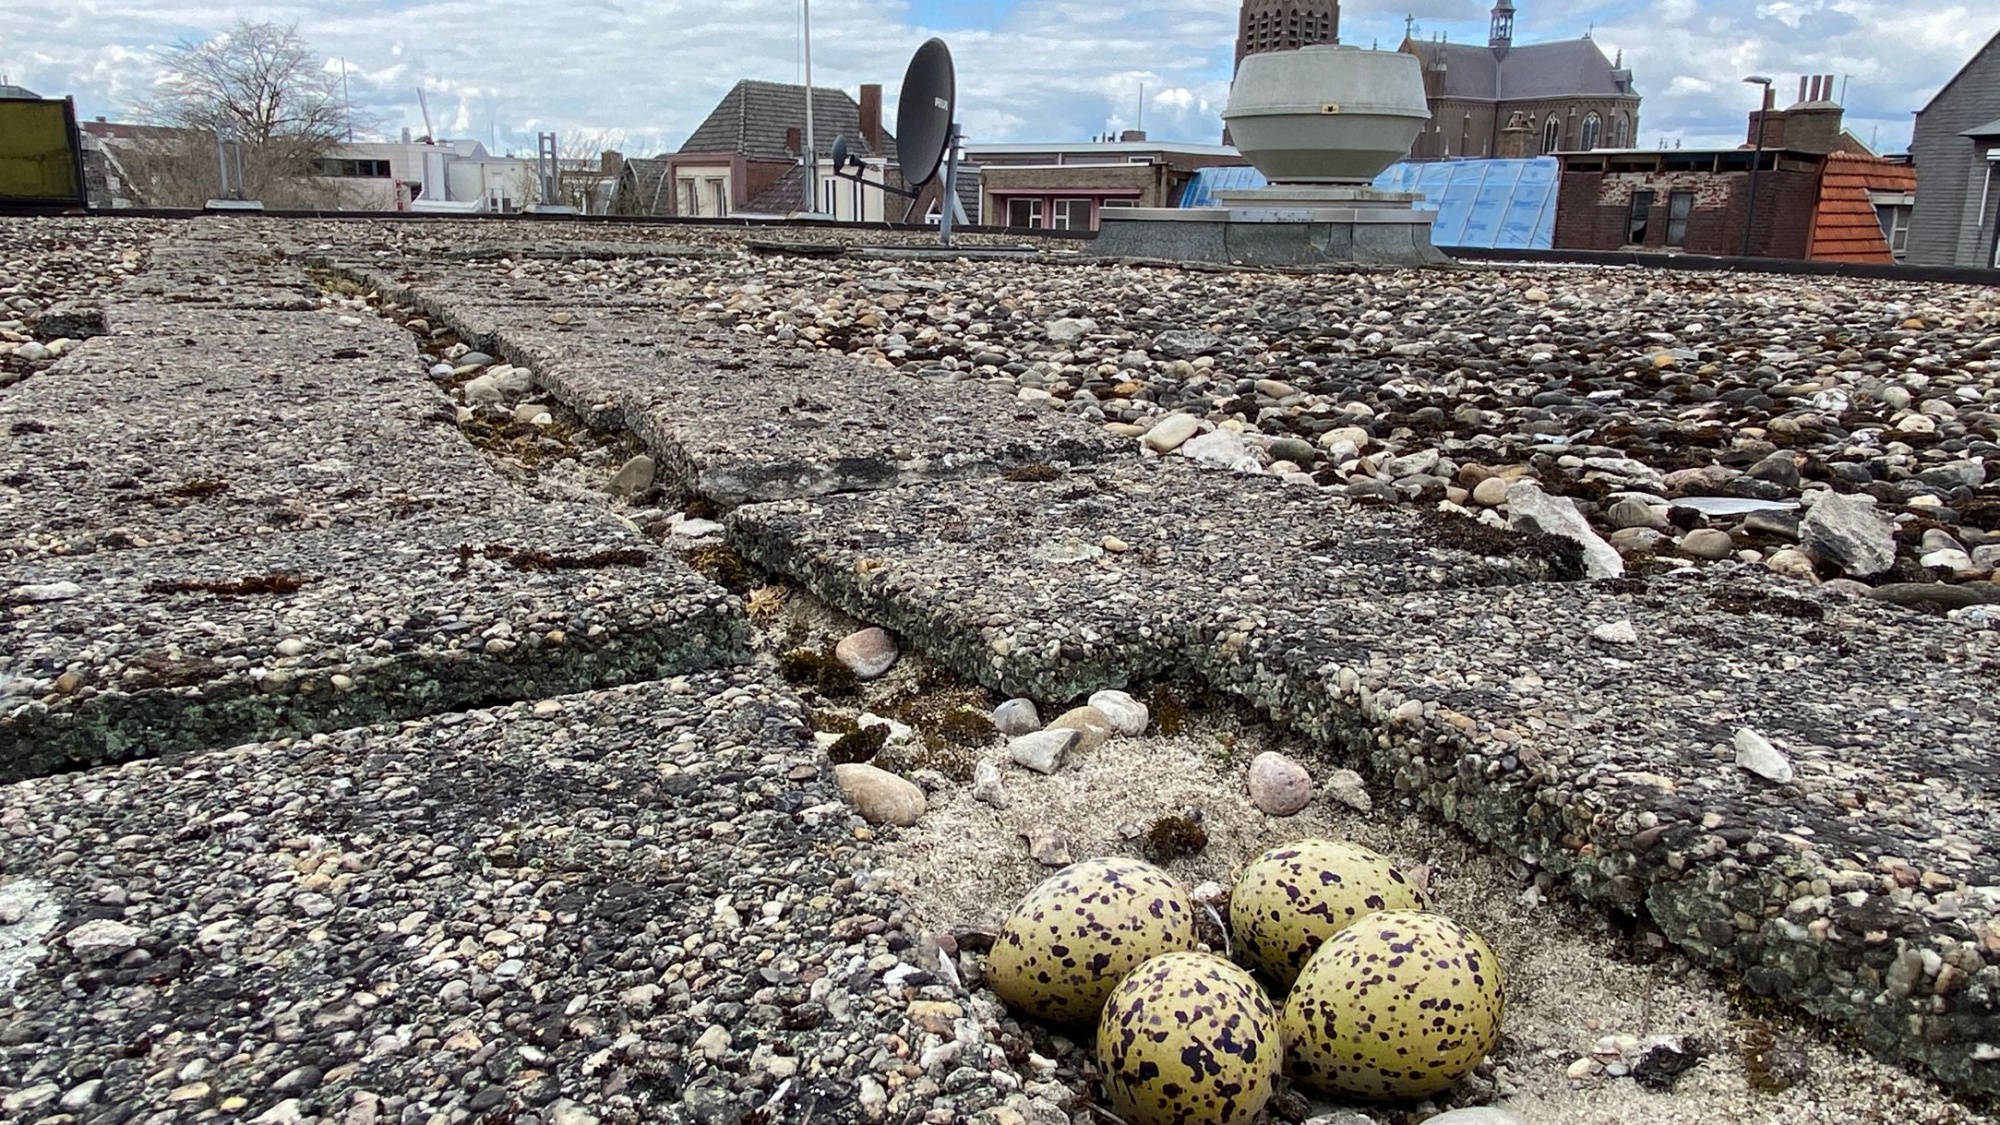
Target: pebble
x=868, y=653
x=46, y=592
x=986, y=785
x=1092, y=725
x=1475, y=1115
x=1755, y=753
x=102, y=939
x=1528, y=506
x=1222, y=449
x=1170, y=432
x=1615, y=633
x=632, y=478
x=1490, y=493
x=1044, y=751
x=1048, y=848
x=1017, y=716
x=1707, y=543
x=1279, y=786
x=1347, y=787
x=1848, y=532
x=880, y=796
x=1126, y=714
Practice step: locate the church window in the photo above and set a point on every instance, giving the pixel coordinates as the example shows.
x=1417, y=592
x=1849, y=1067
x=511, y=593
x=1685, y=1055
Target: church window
x=1552, y=134
x=1591, y=127
x=1621, y=132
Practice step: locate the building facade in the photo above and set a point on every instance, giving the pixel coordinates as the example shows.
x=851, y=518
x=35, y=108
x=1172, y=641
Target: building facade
x=1820, y=195
x=1956, y=147
x=747, y=157
x=1512, y=101
x=1285, y=25
x=1068, y=186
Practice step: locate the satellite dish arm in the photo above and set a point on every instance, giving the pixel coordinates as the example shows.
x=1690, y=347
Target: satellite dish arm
x=884, y=186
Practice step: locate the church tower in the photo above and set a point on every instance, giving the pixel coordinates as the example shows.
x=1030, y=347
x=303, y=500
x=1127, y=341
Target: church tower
x=1502, y=35
x=1285, y=25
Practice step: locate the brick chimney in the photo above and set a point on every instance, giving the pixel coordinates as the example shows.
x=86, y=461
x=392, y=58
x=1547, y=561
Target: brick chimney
x=794, y=140
x=1132, y=136
x=871, y=116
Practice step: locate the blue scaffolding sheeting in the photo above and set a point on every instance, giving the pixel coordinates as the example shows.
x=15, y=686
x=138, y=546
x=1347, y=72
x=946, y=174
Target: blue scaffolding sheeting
x=1493, y=204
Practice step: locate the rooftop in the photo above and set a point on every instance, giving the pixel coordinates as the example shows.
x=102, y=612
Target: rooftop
x=422, y=648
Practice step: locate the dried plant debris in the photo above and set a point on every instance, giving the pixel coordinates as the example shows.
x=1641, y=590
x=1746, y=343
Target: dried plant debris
x=1772, y=1061
x=1032, y=474
x=858, y=745
x=722, y=566
x=275, y=582
x=534, y=558
x=1659, y=1068
x=818, y=670
x=1175, y=837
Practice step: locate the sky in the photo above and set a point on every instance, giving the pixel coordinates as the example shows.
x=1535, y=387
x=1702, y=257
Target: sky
x=645, y=72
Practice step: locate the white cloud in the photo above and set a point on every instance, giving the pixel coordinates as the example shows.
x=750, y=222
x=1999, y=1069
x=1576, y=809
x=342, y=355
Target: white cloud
x=1048, y=70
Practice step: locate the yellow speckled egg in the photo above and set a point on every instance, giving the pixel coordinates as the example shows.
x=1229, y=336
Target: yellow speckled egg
x=1189, y=1039
x=1399, y=1005
x=1076, y=935
x=1290, y=899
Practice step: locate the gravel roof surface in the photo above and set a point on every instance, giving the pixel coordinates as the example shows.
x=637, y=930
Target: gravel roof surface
x=52, y=274
x=646, y=904
x=1863, y=888
x=256, y=421
x=1370, y=600
x=1518, y=711
x=728, y=418
x=1056, y=588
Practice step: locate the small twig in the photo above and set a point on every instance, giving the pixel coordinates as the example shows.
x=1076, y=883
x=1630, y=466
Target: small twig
x=1106, y=1114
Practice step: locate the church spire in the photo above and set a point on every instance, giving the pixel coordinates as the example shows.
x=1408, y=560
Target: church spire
x=1502, y=34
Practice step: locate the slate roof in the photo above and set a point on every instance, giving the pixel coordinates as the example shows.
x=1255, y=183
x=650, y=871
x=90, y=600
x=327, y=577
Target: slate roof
x=1845, y=228
x=1558, y=69
x=752, y=118
x=11, y=91
x=1990, y=129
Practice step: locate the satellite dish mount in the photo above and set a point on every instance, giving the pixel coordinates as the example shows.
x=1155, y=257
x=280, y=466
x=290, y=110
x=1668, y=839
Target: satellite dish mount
x=927, y=136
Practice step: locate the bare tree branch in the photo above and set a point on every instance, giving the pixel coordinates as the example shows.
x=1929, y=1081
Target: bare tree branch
x=262, y=83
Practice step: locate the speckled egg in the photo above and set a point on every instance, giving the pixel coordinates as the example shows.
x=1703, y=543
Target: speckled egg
x=1290, y=899
x=1399, y=1005
x=1078, y=933
x=1189, y=1039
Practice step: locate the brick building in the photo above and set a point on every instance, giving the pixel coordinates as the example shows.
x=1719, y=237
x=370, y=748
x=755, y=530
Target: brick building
x=1820, y=193
x=1517, y=101
x=746, y=156
x=1068, y=186
x=1285, y=25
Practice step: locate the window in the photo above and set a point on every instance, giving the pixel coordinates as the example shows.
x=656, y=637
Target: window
x=1621, y=132
x=690, y=202
x=1895, y=220
x=829, y=201
x=352, y=169
x=718, y=197
x=1680, y=204
x=1024, y=212
x=1071, y=214
x=1591, y=127
x=1635, y=221
x=1552, y=134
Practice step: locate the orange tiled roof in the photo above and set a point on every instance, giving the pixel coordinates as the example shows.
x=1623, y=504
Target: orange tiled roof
x=1845, y=228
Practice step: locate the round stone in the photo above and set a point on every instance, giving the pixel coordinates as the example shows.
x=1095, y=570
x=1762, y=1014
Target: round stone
x=1279, y=786
x=867, y=653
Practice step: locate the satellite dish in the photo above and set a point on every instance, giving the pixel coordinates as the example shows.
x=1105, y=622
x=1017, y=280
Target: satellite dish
x=924, y=112
x=840, y=154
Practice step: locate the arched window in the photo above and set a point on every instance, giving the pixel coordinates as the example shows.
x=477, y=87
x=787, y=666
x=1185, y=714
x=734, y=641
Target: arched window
x=1591, y=127
x=1621, y=132
x=1552, y=134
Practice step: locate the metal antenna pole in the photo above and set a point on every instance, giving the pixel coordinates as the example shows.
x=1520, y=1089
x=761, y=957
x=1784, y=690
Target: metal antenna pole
x=949, y=203
x=1757, y=158
x=812, y=150
x=346, y=102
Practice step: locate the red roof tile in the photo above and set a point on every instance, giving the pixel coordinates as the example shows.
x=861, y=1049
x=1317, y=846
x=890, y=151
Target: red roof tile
x=1845, y=227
